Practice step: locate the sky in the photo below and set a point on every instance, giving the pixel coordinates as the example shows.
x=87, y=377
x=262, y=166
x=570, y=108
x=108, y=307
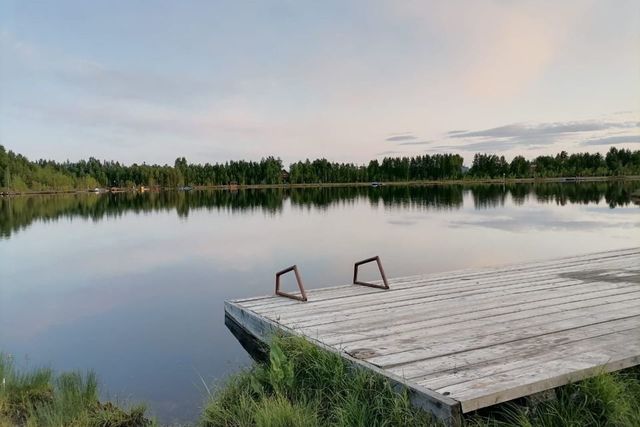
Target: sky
x=148, y=81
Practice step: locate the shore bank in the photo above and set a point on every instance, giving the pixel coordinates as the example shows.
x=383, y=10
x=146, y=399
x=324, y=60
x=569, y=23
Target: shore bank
x=300, y=385
x=235, y=187
x=40, y=397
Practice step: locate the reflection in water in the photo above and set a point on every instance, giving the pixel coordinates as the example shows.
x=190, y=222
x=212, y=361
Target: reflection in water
x=20, y=212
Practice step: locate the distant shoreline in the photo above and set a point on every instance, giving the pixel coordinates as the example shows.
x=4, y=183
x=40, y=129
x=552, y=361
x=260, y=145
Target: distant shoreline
x=234, y=187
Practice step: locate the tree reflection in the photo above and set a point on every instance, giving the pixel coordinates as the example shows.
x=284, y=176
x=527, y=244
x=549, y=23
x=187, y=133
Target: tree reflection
x=19, y=212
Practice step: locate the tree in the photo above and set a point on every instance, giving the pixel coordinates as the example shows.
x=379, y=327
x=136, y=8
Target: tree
x=519, y=167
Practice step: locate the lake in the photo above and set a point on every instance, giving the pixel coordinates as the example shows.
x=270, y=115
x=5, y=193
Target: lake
x=132, y=285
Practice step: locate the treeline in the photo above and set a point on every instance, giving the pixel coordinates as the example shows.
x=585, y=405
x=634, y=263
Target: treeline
x=435, y=167
x=615, y=162
x=17, y=173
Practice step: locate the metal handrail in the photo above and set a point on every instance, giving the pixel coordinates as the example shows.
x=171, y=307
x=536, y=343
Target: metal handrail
x=293, y=268
x=373, y=285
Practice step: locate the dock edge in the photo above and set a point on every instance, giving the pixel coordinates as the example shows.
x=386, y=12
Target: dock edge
x=441, y=407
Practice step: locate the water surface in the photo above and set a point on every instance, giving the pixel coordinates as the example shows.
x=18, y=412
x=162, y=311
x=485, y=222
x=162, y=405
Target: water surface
x=132, y=285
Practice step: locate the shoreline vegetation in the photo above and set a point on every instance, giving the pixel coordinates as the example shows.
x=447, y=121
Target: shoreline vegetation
x=300, y=385
x=40, y=397
x=19, y=175
x=235, y=187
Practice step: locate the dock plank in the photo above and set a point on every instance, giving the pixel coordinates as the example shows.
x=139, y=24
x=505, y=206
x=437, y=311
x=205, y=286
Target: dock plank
x=415, y=295
x=508, y=311
x=538, y=320
x=514, y=349
x=441, y=345
x=438, y=305
x=342, y=291
x=548, y=374
x=347, y=295
x=471, y=372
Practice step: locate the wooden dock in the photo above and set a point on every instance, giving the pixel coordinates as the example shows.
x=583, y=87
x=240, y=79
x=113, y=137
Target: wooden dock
x=469, y=339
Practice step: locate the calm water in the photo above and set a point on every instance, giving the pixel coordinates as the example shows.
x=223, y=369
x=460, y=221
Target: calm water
x=133, y=286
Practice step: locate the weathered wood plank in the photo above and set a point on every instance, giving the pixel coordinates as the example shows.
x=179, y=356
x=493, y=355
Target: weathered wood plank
x=321, y=294
x=543, y=321
x=437, y=306
x=400, y=324
x=445, y=345
x=517, y=348
x=411, y=296
x=543, y=376
x=472, y=372
x=349, y=294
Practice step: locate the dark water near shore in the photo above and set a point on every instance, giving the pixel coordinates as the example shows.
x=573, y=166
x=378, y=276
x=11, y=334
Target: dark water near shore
x=132, y=285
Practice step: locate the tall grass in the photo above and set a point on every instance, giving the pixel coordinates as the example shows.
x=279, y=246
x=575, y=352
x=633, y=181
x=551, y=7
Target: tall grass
x=41, y=398
x=303, y=385
x=601, y=401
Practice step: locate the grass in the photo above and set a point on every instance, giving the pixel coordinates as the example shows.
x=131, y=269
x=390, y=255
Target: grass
x=39, y=397
x=303, y=385
x=601, y=401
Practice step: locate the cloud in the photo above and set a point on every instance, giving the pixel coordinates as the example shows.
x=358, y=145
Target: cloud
x=388, y=153
x=622, y=139
x=401, y=138
x=534, y=130
x=540, y=135
x=489, y=146
x=416, y=143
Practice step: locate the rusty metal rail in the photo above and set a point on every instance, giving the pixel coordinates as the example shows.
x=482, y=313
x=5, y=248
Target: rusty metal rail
x=303, y=294
x=373, y=285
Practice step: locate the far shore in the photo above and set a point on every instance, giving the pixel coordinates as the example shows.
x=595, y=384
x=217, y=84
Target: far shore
x=234, y=187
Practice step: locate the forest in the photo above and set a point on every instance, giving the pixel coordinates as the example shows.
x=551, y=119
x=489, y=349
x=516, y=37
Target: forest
x=18, y=173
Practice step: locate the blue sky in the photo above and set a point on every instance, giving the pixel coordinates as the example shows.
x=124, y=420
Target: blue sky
x=349, y=81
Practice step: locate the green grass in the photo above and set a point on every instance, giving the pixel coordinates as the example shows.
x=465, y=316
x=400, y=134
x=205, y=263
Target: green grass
x=601, y=401
x=39, y=397
x=302, y=385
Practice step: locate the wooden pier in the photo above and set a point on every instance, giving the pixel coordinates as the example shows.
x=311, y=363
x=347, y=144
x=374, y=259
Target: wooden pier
x=473, y=338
